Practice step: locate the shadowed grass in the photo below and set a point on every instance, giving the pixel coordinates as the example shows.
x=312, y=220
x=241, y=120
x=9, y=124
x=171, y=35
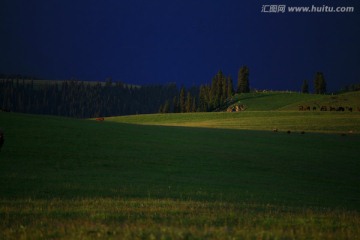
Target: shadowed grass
x=66, y=178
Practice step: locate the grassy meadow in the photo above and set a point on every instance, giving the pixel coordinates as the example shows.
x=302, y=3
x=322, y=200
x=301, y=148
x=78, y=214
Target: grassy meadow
x=228, y=176
x=268, y=111
x=321, y=122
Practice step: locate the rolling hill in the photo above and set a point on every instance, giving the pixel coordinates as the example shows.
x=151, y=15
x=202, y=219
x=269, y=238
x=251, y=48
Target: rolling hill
x=290, y=101
x=268, y=111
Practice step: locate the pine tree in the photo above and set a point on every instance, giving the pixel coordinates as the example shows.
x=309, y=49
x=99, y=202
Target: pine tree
x=161, y=108
x=224, y=89
x=230, y=87
x=166, y=108
x=182, y=100
x=305, y=87
x=216, y=90
x=243, y=80
x=193, y=109
x=188, y=102
x=203, y=102
x=175, y=105
x=319, y=83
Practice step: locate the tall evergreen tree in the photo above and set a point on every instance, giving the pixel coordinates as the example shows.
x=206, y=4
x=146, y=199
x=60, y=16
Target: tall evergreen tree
x=166, y=108
x=203, y=101
x=175, y=105
x=305, y=87
x=230, y=87
x=182, y=100
x=224, y=89
x=243, y=80
x=319, y=83
x=188, y=102
x=193, y=108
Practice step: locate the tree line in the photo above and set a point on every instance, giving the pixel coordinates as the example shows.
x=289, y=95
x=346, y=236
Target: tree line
x=82, y=99
x=88, y=99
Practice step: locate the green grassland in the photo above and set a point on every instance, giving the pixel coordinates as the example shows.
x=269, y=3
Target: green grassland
x=125, y=178
x=325, y=122
x=268, y=101
x=350, y=99
x=290, y=101
x=268, y=111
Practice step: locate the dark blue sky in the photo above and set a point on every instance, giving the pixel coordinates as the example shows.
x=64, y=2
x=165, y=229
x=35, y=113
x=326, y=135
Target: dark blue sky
x=182, y=41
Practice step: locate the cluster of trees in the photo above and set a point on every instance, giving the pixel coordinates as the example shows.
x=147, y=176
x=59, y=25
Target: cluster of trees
x=213, y=96
x=319, y=84
x=184, y=101
x=208, y=97
x=82, y=99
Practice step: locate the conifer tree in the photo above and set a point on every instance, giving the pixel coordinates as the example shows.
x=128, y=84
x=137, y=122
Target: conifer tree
x=224, y=88
x=319, y=83
x=203, y=101
x=166, y=108
x=230, y=87
x=193, y=109
x=305, y=87
x=182, y=100
x=188, y=102
x=175, y=105
x=243, y=80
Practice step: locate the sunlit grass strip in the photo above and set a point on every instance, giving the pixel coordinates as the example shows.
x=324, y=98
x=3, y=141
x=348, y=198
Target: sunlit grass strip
x=324, y=122
x=170, y=219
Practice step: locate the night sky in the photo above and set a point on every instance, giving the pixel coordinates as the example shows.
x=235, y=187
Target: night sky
x=182, y=41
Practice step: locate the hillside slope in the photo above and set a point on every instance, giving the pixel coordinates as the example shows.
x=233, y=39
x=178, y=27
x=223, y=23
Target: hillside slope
x=325, y=122
x=350, y=99
x=290, y=101
x=268, y=101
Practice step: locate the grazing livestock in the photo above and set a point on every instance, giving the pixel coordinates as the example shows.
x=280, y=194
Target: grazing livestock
x=275, y=130
x=100, y=119
x=1, y=138
x=340, y=109
x=314, y=108
x=349, y=109
x=323, y=108
x=304, y=108
x=288, y=132
x=332, y=109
